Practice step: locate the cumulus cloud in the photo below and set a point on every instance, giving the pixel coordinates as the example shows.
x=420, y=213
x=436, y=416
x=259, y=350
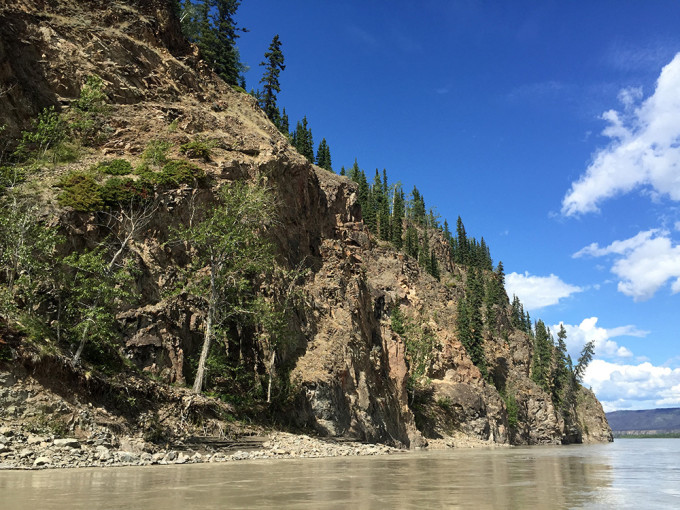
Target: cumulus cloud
x=643, y=263
x=642, y=386
x=588, y=330
x=538, y=291
x=644, y=151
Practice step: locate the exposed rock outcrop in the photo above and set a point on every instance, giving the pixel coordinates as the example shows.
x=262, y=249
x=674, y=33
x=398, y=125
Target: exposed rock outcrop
x=351, y=371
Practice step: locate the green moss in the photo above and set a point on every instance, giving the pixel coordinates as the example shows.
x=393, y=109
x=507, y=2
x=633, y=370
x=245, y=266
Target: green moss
x=81, y=192
x=115, y=167
x=176, y=173
x=196, y=149
x=117, y=190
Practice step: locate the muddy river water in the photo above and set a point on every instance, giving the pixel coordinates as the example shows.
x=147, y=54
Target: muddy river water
x=642, y=473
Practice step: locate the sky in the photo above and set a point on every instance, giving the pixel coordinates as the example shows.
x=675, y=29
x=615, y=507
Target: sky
x=551, y=128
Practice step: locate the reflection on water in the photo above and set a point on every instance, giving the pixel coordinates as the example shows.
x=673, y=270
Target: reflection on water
x=626, y=474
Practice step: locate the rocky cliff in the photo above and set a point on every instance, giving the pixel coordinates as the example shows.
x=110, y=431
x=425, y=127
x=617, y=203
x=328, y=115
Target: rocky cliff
x=347, y=372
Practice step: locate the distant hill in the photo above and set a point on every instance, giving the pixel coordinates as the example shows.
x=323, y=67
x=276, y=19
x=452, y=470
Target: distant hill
x=645, y=422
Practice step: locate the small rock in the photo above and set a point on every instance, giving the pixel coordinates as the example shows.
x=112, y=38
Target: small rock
x=25, y=453
x=181, y=459
x=3, y=448
x=127, y=457
x=6, y=431
x=170, y=456
x=4, y=440
x=67, y=442
x=41, y=461
x=33, y=439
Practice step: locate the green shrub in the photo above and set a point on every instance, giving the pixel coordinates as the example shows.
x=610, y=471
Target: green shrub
x=179, y=172
x=115, y=167
x=511, y=407
x=156, y=152
x=49, y=131
x=92, y=98
x=117, y=190
x=81, y=192
x=10, y=176
x=196, y=149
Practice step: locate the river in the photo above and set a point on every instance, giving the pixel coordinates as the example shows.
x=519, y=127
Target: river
x=630, y=473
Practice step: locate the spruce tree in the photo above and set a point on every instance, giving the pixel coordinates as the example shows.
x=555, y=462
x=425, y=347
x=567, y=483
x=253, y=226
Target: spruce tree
x=434, y=265
x=411, y=241
x=424, y=253
x=562, y=376
x=323, y=155
x=584, y=360
x=211, y=25
x=284, y=124
x=303, y=141
x=227, y=58
x=384, y=212
x=461, y=243
x=270, y=79
x=397, y=218
x=542, y=361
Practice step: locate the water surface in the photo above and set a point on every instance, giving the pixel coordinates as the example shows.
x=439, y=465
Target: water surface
x=630, y=473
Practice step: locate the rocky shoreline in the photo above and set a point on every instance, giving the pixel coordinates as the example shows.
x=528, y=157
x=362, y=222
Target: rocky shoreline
x=19, y=450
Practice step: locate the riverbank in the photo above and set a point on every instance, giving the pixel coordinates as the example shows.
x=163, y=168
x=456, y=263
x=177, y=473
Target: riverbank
x=30, y=451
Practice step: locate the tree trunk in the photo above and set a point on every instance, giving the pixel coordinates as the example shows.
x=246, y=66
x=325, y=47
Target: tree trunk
x=83, y=339
x=271, y=369
x=207, y=337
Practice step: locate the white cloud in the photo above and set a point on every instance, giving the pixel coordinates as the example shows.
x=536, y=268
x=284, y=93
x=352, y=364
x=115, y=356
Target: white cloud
x=640, y=386
x=643, y=263
x=588, y=330
x=538, y=291
x=644, y=149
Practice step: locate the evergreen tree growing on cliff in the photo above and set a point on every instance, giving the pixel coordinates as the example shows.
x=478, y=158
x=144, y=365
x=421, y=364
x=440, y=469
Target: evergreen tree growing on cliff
x=384, y=212
x=211, y=25
x=562, y=371
x=303, y=140
x=397, y=218
x=323, y=156
x=470, y=324
x=542, y=361
x=270, y=81
x=584, y=360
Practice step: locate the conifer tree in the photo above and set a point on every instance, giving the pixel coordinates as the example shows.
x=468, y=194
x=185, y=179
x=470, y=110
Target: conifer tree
x=384, y=212
x=562, y=371
x=284, y=124
x=354, y=171
x=411, y=241
x=303, y=141
x=270, y=79
x=211, y=25
x=470, y=324
x=584, y=360
x=323, y=155
x=434, y=265
x=542, y=361
x=424, y=253
x=227, y=58
x=397, y=218
x=461, y=243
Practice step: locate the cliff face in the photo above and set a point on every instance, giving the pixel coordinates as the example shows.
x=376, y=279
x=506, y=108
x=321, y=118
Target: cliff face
x=352, y=374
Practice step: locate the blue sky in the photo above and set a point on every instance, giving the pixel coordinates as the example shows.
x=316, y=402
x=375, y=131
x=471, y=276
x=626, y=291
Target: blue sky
x=551, y=128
